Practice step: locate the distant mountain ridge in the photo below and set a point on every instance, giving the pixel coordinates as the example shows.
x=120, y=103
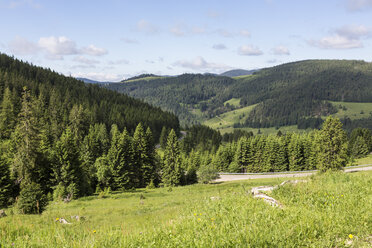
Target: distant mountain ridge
x=90, y=81
x=295, y=93
x=238, y=72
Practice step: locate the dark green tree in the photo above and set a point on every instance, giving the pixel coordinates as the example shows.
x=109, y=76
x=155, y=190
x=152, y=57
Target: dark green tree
x=7, y=115
x=332, y=145
x=5, y=183
x=172, y=172
x=67, y=170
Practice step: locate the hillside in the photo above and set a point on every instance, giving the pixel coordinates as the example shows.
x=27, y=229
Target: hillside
x=237, y=73
x=299, y=93
x=316, y=213
x=183, y=95
x=58, y=95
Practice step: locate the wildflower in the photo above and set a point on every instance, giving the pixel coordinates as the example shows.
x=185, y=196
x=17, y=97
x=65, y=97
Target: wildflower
x=57, y=219
x=195, y=214
x=199, y=219
x=94, y=231
x=351, y=236
x=200, y=214
x=212, y=219
x=342, y=195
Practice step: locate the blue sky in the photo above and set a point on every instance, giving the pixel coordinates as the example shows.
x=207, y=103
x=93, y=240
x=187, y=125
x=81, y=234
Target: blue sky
x=111, y=40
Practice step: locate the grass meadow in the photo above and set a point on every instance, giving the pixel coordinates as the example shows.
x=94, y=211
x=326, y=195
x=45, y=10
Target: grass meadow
x=329, y=210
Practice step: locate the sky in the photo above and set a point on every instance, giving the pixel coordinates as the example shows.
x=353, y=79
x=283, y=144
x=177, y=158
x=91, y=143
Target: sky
x=110, y=40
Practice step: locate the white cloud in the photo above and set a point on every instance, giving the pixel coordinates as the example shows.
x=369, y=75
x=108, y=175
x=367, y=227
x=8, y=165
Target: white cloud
x=219, y=47
x=84, y=60
x=93, y=51
x=353, y=32
x=225, y=33
x=21, y=46
x=359, y=5
x=272, y=61
x=245, y=33
x=147, y=27
x=54, y=48
x=346, y=37
x=178, y=30
x=281, y=50
x=249, y=50
x=58, y=45
x=130, y=41
x=99, y=76
x=200, y=64
x=336, y=42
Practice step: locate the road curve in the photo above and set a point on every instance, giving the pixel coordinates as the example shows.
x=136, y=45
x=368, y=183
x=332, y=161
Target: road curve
x=233, y=177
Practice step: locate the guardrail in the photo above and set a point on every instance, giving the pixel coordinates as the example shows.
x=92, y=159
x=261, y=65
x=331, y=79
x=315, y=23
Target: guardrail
x=287, y=172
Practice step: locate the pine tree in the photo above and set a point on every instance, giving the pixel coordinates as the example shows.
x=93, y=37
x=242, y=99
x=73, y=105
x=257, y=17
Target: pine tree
x=172, y=172
x=5, y=183
x=7, y=115
x=359, y=148
x=141, y=160
x=296, y=153
x=121, y=160
x=67, y=170
x=163, y=137
x=332, y=145
x=26, y=142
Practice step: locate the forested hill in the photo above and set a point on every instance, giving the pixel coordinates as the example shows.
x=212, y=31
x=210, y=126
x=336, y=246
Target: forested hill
x=63, y=100
x=283, y=95
x=289, y=92
x=182, y=95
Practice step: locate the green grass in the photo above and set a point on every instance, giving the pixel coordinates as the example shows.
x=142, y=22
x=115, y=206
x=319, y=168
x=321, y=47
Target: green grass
x=365, y=160
x=227, y=120
x=234, y=102
x=354, y=110
x=319, y=213
x=143, y=79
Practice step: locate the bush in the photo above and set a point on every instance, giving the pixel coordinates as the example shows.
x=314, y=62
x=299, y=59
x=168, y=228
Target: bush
x=207, y=173
x=31, y=199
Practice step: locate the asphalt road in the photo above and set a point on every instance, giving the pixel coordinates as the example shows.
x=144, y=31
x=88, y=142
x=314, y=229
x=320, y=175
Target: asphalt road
x=233, y=177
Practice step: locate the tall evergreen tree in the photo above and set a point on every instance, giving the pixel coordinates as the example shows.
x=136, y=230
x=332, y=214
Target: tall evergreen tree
x=332, y=153
x=7, y=115
x=26, y=142
x=163, y=137
x=172, y=171
x=67, y=170
x=121, y=160
x=5, y=183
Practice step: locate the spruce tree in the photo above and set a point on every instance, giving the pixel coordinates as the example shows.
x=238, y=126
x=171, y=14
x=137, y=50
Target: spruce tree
x=172, y=172
x=5, y=183
x=67, y=168
x=296, y=153
x=332, y=153
x=359, y=148
x=26, y=142
x=163, y=137
x=121, y=160
x=7, y=115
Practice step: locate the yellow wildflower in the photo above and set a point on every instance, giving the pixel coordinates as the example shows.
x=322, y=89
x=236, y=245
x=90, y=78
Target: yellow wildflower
x=351, y=236
x=57, y=219
x=199, y=219
x=195, y=214
x=94, y=231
